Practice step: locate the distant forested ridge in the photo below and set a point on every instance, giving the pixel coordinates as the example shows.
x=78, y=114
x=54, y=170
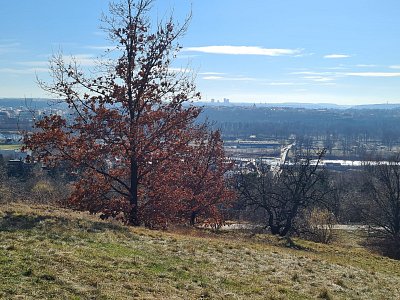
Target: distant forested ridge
x=351, y=125
x=28, y=103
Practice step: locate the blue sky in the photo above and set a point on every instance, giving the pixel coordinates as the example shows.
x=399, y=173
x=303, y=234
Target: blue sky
x=342, y=51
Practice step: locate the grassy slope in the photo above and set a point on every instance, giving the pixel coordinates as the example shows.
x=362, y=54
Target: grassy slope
x=10, y=147
x=50, y=253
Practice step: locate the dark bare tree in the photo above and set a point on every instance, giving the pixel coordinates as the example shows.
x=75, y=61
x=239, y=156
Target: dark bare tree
x=283, y=194
x=382, y=187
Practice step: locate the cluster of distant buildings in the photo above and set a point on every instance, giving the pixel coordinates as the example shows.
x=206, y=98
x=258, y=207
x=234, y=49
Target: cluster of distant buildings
x=224, y=101
x=13, y=119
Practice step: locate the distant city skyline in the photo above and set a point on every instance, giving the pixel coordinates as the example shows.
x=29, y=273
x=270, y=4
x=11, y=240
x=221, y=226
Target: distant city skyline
x=312, y=51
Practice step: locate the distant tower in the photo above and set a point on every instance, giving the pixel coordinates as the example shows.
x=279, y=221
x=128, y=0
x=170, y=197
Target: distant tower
x=212, y=100
x=226, y=100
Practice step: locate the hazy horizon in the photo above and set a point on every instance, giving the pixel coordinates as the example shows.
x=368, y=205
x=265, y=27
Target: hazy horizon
x=248, y=101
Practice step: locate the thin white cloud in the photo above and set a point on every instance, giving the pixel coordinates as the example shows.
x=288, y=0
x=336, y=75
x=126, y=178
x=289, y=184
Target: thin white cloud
x=303, y=54
x=213, y=78
x=366, y=66
x=305, y=73
x=34, y=63
x=285, y=83
x=84, y=60
x=180, y=70
x=331, y=76
x=319, y=78
x=243, y=50
x=395, y=67
x=373, y=74
x=15, y=71
x=338, y=68
x=337, y=56
x=313, y=73
x=181, y=56
x=102, y=48
x=280, y=83
x=229, y=78
x=9, y=47
x=211, y=73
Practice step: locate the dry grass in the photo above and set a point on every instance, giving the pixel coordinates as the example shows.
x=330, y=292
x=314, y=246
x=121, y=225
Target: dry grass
x=10, y=147
x=48, y=253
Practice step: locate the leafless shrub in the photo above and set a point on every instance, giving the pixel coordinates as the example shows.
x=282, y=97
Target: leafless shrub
x=39, y=188
x=317, y=225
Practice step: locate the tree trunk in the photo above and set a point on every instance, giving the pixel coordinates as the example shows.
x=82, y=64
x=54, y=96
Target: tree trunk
x=193, y=218
x=289, y=219
x=275, y=229
x=133, y=214
x=286, y=229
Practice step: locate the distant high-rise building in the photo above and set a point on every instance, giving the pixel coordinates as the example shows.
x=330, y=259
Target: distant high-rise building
x=212, y=100
x=226, y=100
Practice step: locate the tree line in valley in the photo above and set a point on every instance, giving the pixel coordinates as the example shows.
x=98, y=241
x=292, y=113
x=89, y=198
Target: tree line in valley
x=342, y=128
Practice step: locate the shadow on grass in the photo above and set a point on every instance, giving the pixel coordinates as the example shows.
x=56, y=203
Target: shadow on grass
x=101, y=227
x=13, y=222
x=386, y=246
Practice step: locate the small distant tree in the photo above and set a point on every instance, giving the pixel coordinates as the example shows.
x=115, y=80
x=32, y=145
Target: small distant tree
x=329, y=142
x=304, y=143
x=382, y=188
x=284, y=194
x=130, y=127
x=389, y=137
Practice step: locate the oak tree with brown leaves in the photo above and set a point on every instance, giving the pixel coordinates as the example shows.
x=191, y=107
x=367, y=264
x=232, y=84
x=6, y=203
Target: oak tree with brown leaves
x=131, y=137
